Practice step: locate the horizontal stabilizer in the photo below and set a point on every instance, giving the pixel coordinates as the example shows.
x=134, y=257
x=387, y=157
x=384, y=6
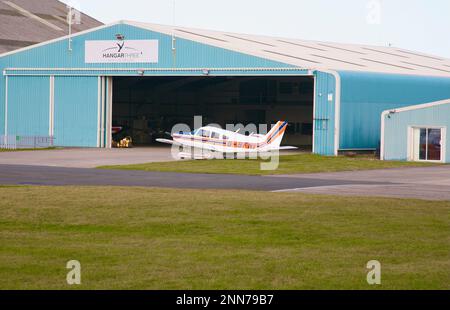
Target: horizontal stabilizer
x=287, y=148
x=167, y=141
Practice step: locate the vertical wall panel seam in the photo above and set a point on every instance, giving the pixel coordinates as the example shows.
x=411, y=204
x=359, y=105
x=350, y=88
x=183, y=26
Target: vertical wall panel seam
x=6, y=106
x=51, y=112
x=99, y=118
x=102, y=99
x=50, y=106
x=314, y=114
x=53, y=105
x=109, y=102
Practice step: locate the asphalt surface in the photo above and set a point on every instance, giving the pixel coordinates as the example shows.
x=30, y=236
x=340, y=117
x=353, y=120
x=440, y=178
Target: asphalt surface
x=74, y=166
x=431, y=183
x=46, y=175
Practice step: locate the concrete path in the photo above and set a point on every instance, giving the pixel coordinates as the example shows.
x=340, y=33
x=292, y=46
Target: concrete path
x=91, y=157
x=86, y=157
x=431, y=183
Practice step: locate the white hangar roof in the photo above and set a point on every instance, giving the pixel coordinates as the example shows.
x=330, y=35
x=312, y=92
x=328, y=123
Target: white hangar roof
x=310, y=55
x=315, y=54
x=27, y=22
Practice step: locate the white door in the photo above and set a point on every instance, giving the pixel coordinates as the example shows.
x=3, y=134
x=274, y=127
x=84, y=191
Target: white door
x=427, y=144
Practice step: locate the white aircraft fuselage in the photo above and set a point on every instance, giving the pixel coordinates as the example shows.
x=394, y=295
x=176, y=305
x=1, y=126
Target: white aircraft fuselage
x=225, y=141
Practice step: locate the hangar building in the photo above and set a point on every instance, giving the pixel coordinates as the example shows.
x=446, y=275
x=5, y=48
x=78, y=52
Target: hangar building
x=146, y=78
x=417, y=133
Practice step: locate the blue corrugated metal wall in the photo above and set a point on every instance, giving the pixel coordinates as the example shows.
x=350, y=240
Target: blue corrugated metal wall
x=76, y=111
x=28, y=110
x=396, y=129
x=324, y=121
x=189, y=54
x=364, y=96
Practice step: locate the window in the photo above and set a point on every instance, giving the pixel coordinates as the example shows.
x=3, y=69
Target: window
x=225, y=137
x=204, y=133
x=427, y=144
x=215, y=135
x=430, y=144
x=434, y=144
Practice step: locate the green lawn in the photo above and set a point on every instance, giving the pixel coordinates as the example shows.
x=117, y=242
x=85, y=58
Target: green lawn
x=288, y=164
x=139, y=238
x=22, y=150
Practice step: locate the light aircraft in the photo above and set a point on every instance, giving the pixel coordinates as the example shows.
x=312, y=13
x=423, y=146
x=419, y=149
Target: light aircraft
x=216, y=140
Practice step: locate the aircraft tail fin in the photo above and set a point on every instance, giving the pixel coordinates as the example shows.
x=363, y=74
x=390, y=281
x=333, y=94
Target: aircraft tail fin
x=275, y=135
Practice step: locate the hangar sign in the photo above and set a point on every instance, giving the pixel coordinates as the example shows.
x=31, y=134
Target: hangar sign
x=121, y=51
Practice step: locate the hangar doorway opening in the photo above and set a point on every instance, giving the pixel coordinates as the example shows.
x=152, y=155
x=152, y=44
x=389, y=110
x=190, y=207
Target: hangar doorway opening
x=148, y=107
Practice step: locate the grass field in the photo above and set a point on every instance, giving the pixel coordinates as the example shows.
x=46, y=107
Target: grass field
x=23, y=150
x=289, y=164
x=139, y=238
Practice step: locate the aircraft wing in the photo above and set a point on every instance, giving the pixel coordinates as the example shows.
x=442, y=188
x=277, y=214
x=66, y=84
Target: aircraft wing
x=287, y=148
x=279, y=148
x=167, y=141
x=204, y=147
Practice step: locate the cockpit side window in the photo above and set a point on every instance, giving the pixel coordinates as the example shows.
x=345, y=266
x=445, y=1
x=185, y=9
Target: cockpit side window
x=194, y=132
x=205, y=133
x=225, y=137
x=215, y=135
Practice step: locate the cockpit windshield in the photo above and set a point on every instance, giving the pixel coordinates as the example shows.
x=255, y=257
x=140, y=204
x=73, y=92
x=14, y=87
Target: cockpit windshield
x=192, y=133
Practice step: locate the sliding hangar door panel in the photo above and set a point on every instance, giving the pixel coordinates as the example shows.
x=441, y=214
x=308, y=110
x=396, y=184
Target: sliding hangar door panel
x=28, y=105
x=76, y=111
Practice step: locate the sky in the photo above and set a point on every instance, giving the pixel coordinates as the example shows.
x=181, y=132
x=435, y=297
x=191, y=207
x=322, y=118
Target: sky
x=419, y=25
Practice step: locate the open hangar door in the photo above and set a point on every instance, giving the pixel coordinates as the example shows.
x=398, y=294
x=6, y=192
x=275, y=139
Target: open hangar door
x=148, y=107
